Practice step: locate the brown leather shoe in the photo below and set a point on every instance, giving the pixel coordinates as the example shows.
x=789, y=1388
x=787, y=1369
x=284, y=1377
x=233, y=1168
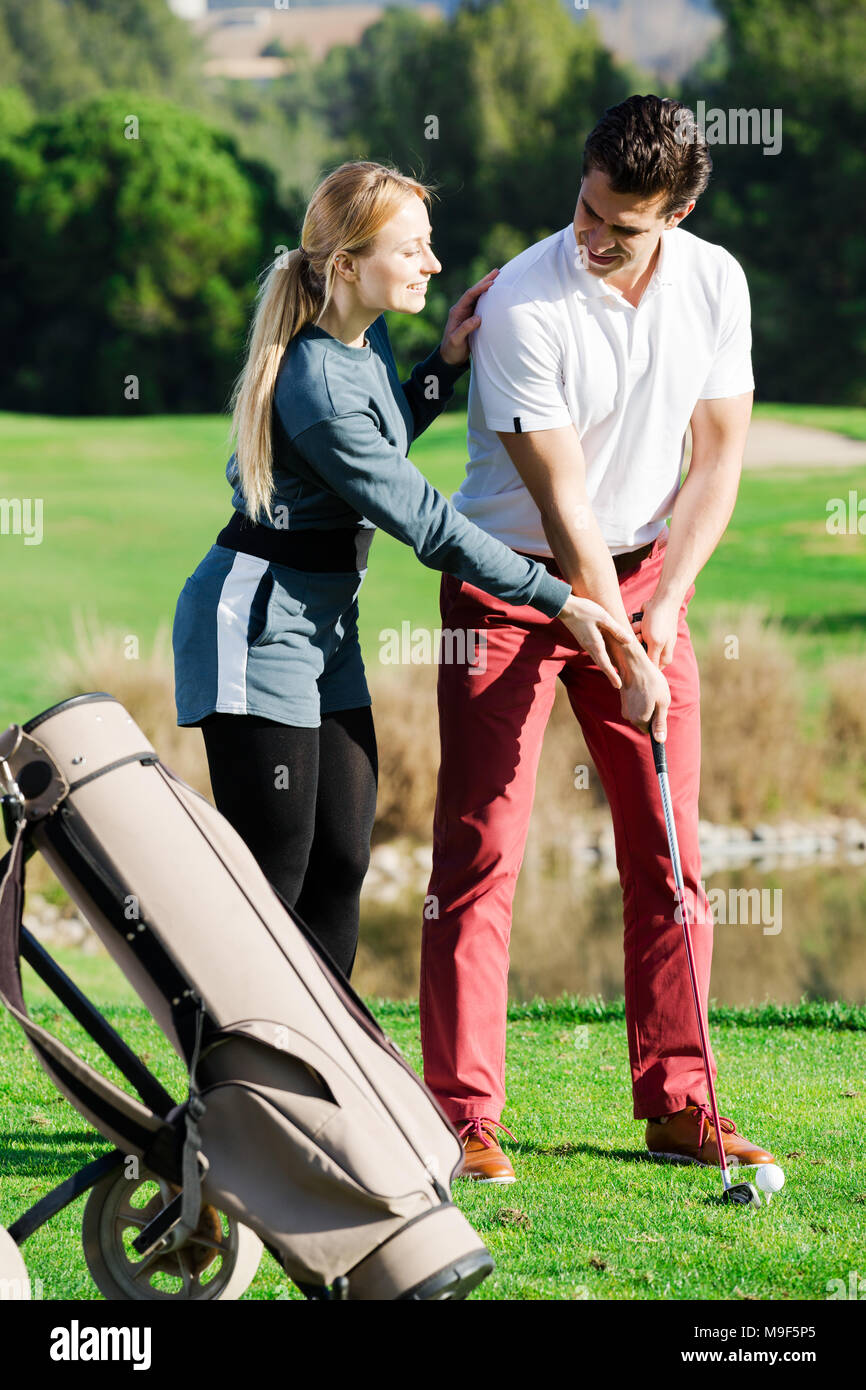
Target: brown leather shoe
x=690, y=1136
x=483, y=1159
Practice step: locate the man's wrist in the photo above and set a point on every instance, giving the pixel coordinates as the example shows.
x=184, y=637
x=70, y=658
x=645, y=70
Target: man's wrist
x=632, y=655
x=670, y=595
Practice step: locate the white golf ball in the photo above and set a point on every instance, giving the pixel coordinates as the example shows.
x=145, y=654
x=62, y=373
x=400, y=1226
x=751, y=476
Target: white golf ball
x=770, y=1177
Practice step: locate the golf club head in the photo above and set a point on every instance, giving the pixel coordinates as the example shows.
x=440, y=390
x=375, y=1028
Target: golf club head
x=742, y=1194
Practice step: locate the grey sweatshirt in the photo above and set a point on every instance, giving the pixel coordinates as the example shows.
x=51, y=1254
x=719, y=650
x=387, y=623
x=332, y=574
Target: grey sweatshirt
x=343, y=423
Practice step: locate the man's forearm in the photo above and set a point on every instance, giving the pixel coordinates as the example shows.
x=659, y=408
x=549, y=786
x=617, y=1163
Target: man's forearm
x=584, y=560
x=700, y=516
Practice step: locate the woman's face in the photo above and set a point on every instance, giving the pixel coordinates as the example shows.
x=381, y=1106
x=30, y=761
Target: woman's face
x=395, y=273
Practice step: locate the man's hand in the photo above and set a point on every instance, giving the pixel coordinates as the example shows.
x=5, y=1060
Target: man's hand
x=463, y=320
x=644, y=690
x=656, y=627
x=645, y=695
x=588, y=622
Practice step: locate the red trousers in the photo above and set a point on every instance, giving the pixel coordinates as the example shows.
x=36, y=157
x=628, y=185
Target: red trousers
x=492, y=722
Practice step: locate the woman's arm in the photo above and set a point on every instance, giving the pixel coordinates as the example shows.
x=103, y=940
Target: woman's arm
x=354, y=459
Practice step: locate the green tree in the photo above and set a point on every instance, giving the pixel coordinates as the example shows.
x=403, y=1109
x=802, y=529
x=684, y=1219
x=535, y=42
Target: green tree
x=62, y=50
x=133, y=257
x=796, y=220
x=492, y=106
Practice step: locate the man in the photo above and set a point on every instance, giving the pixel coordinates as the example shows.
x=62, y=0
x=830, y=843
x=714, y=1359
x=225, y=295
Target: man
x=597, y=347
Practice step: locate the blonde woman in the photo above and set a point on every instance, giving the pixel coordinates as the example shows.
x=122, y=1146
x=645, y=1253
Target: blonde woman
x=267, y=659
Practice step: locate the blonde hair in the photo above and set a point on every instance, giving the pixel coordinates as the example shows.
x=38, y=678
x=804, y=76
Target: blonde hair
x=347, y=210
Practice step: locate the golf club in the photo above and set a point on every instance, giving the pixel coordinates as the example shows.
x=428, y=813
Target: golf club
x=744, y=1193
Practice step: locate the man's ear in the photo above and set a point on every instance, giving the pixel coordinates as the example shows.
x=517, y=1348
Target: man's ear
x=676, y=218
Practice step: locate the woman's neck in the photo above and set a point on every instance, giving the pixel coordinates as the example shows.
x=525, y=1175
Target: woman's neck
x=349, y=325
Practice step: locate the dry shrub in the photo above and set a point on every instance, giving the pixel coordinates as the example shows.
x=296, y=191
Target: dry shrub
x=144, y=685
x=845, y=735
x=407, y=733
x=407, y=736
x=404, y=706
x=756, y=763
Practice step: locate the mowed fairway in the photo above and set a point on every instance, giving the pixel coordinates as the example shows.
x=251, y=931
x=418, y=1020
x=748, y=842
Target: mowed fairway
x=591, y=1217
x=130, y=506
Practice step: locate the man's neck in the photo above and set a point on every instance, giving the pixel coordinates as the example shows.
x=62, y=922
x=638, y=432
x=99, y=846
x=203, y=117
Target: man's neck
x=632, y=289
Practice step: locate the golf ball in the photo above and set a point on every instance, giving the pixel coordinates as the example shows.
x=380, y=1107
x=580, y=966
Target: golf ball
x=770, y=1177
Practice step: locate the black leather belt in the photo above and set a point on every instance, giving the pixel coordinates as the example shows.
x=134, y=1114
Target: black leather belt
x=629, y=560
x=343, y=549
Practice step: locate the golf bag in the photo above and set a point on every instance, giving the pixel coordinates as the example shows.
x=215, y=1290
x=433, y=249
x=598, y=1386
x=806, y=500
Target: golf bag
x=303, y=1123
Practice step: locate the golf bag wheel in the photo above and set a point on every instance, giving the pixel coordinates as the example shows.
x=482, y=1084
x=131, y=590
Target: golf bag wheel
x=219, y=1259
x=14, y=1281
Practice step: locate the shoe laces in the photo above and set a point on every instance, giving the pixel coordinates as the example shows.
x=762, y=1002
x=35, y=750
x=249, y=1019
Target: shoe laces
x=725, y=1125
x=474, y=1128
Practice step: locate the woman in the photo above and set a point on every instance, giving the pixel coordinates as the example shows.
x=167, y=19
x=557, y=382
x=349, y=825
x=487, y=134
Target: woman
x=267, y=660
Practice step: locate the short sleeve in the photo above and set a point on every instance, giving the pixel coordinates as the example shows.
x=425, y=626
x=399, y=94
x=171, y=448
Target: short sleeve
x=517, y=366
x=731, y=372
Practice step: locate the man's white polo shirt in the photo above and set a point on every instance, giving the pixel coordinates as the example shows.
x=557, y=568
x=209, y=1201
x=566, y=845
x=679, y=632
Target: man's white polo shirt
x=558, y=345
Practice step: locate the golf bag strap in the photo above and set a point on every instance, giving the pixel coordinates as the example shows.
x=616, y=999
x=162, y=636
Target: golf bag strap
x=193, y=1164
x=61, y=1196
x=105, y=1104
x=146, y=759
x=69, y=833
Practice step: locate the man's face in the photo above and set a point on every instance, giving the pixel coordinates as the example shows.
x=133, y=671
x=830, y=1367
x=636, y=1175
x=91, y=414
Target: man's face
x=619, y=232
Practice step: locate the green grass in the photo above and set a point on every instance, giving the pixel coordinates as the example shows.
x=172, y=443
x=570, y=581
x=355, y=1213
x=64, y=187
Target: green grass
x=130, y=506
x=590, y=1218
x=844, y=419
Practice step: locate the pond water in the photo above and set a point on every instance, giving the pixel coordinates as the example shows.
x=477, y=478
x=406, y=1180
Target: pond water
x=781, y=933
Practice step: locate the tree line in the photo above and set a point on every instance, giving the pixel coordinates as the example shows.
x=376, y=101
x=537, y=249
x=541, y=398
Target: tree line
x=140, y=202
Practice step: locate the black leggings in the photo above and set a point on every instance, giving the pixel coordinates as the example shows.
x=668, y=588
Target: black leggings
x=303, y=800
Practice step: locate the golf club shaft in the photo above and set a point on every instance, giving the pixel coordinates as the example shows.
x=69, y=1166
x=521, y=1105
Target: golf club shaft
x=664, y=786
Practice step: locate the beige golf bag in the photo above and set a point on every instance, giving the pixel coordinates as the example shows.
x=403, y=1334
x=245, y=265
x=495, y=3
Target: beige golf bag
x=303, y=1123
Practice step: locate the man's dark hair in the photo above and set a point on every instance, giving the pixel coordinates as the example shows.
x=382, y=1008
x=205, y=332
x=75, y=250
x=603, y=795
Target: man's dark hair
x=650, y=145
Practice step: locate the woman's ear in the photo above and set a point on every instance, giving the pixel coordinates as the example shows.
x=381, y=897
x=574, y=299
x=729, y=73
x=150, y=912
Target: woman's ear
x=345, y=266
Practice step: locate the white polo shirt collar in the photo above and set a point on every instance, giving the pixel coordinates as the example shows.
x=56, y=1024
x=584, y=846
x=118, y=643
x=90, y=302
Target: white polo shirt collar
x=589, y=286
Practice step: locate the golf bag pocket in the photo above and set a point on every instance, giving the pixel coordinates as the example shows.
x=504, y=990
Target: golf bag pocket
x=294, y=1191
x=320, y=1100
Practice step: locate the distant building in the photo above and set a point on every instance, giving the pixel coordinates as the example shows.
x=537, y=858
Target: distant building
x=240, y=41
x=246, y=40
x=188, y=9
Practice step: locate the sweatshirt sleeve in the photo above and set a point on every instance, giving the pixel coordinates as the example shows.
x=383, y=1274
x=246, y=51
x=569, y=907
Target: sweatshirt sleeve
x=351, y=456
x=429, y=388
